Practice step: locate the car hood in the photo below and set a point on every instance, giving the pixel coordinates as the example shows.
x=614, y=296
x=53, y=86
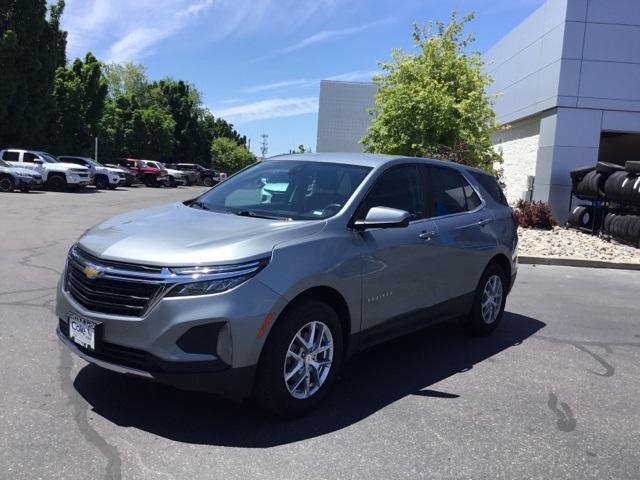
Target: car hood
x=113, y=170
x=64, y=166
x=177, y=235
x=175, y=173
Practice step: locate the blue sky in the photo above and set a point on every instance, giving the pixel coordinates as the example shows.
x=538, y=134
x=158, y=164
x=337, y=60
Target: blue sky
x=258, y=63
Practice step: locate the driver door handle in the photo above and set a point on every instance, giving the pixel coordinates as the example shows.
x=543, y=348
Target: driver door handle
x=427, y=234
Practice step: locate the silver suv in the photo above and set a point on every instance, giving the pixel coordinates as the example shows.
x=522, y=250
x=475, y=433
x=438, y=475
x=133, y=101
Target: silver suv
x=268, y=282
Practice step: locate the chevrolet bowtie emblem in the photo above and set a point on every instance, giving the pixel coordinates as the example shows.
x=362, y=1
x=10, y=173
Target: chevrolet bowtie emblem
x=91, y=272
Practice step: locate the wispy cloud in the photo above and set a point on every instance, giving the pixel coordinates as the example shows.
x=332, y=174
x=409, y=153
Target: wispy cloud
x=268, y=109
x=356, y=76
x=124, y=30
x=278, y=85
x=322, y=37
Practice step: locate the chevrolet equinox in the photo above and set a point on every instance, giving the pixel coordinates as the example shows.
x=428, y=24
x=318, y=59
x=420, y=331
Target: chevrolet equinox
x=264, y=285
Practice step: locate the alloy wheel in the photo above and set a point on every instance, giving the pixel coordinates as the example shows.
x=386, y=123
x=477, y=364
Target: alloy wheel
x=308, y=360
x=491, y=299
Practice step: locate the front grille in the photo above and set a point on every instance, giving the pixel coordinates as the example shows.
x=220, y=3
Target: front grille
x=118, y=296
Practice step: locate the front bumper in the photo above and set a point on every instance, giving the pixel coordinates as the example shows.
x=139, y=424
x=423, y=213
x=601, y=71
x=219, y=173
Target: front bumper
x=29, y=183
x=78, y=180
x=148, y=346
x=216, y=377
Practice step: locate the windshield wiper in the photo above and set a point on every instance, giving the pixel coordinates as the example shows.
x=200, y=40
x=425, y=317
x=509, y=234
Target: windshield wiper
x=199, y=204
x=251, y=213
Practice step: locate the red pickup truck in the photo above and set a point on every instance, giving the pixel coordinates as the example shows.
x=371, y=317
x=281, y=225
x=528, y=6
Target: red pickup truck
x=147, y=172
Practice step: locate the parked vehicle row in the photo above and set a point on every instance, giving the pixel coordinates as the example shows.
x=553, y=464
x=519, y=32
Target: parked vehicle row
x=27, y=169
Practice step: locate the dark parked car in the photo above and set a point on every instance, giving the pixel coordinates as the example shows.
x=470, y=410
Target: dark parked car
x=130, y=177
x=208, y=177
x=191, y=174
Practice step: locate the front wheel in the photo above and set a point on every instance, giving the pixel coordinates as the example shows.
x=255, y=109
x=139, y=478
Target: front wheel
x=207, y=181
x=488, y=302
x=57, y=183
x=301, y=360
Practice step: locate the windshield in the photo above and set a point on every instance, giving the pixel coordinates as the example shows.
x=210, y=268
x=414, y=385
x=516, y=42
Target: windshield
x=47, y=157
x=290, y=189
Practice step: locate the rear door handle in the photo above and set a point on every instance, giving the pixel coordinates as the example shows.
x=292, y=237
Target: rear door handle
x=484, y=222
x=427, y=234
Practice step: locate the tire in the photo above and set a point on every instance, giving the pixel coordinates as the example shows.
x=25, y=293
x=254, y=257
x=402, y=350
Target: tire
x=25, y=189
x=611, y=185
x=628, y=191
x=208, y=182
x=172, y=182
x=271, y=391
x=480, y=322
x=113, y=187
x=56, y=182
x=188, y=182
x=608, y=168
x=150, y=180
x=7, y=183
x=581, y=216
x=634, y=235
x=102, y=182
x=607, y=221
x=579, y=173
x=632, y=166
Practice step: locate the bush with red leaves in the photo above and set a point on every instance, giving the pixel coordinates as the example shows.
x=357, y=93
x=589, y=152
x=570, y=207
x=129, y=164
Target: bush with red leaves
x=535, y=215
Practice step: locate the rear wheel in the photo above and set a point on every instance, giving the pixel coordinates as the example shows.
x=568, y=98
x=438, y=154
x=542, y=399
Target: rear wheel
x=301, y=360
x=207, y=181
x=488, y=302
x=7, y=184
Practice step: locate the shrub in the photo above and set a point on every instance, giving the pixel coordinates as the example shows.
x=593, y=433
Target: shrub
x=535, y=215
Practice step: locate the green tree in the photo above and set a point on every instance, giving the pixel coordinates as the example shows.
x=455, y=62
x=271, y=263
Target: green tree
x=80, y=93
x=32, y=47
x=301, y=149
x=433, y=102
x=149, y=134
x=129, y=79
x=230, y=157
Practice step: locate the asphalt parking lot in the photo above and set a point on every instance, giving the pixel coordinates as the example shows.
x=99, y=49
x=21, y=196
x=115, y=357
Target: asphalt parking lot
x=552, y=394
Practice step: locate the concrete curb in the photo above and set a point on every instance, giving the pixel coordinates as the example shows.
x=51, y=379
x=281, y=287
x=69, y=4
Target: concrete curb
x=576, y=262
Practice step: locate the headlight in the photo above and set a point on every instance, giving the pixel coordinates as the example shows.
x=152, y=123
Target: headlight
x=213, y=279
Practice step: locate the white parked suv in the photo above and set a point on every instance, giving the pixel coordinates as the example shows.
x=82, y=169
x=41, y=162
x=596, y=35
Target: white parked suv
x=174, y=177
x=103, y=177
x=55, y=175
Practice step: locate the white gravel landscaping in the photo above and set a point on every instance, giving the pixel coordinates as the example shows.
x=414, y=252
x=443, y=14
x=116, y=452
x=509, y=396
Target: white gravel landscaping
x=563, y=242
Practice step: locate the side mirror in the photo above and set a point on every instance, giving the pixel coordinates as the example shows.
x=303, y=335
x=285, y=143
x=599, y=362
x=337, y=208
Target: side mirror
x=37, y=161
x=383, y=217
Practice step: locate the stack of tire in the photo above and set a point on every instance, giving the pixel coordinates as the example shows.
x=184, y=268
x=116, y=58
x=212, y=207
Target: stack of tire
x=588, y=183
x=622, y=190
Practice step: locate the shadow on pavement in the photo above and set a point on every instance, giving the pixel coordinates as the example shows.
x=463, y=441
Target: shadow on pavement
x=371, y=380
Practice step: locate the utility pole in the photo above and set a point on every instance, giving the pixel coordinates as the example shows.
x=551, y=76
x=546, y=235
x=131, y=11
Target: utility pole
x=95, y=150
x=264, y=147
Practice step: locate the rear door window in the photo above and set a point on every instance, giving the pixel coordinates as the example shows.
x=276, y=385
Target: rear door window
x=11, y=156
x=491, y=185
x=448, y=192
